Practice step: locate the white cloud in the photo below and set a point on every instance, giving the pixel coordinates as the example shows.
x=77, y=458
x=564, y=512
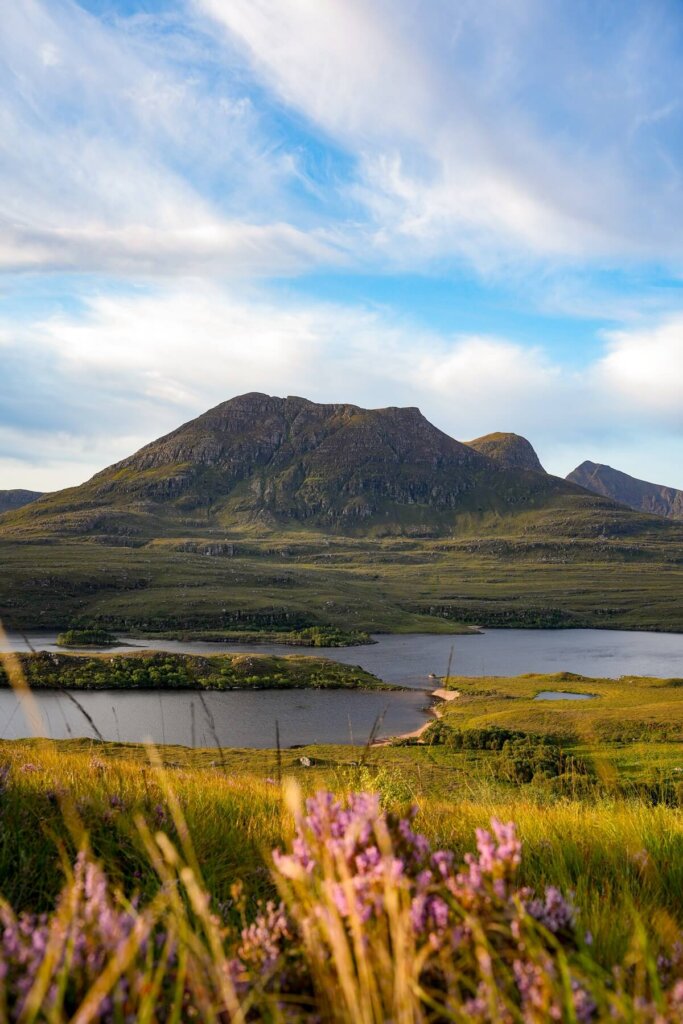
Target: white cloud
x=643, y=370
x=488, y=131
x=193, y=245
x=487, y=371
x=131, y=367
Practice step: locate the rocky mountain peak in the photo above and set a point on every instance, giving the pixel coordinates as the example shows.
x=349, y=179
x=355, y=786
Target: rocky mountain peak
x=640, y=495
x=511, y=451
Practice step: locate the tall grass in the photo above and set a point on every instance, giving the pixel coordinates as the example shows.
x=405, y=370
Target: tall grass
x=339, y=940
x=161, y=899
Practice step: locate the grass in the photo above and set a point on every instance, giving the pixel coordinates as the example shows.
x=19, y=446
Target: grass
x=627, y=710
x=618, y=851
x=295, y=581
x=613, y=837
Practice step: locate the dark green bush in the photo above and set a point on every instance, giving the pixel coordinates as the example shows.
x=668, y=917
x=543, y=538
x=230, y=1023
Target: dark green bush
x=85, y=638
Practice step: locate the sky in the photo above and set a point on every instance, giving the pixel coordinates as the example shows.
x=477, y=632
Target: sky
x=470, y=206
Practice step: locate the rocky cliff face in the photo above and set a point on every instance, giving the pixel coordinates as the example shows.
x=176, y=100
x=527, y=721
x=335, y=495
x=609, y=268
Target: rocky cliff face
x=508, y=450
x=17, y=499
x=298, y=458
x=628, y=490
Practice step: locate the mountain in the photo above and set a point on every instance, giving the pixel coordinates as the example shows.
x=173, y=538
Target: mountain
x=17, y=499
x=508, y=450
x=637, y=494
x=287, y=462
x=280, y=513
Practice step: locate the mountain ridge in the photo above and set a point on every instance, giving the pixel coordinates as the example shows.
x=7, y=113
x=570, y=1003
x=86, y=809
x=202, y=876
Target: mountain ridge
x=288, y=460
x=640, y=495
x=270, y=513
x=266, y=463
x=509, y=450
x=16, y=498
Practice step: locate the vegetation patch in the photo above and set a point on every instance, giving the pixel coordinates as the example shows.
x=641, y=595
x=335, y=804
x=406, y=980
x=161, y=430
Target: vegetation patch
x=223, y=817
x=156, y=670
x=630, y=709
x=86, y=638
x=310, y=636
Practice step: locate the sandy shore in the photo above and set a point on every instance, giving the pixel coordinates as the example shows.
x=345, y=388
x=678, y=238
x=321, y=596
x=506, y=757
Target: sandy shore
x=440, y=694
x=446, y=694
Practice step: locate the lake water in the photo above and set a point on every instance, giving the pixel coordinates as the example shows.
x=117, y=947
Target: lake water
x=248, y=718
x=410, y=659
x=240, y=718
x=562, y=695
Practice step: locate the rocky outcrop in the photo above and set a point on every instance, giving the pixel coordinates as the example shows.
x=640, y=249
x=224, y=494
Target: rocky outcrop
x=628, y=490
x=508, y=450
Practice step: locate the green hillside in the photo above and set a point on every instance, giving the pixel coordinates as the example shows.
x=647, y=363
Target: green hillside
x=283, y=464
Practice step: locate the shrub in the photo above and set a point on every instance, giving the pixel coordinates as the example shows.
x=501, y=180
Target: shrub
x=535, y=759
x=86, y=638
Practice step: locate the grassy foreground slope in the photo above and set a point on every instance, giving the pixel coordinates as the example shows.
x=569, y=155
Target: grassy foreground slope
x=601, y=818
x=618, y=851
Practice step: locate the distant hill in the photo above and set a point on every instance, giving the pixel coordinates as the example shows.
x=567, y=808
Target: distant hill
x=508, y=450
x=17, y=499
x=637, y=494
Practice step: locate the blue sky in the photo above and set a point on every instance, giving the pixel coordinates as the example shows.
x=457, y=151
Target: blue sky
x=471, y=206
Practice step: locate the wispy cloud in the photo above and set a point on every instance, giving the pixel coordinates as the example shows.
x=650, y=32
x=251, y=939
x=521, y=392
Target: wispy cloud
x=489, y=132
x=173, y=158
x=488, y=129
x=124, y=157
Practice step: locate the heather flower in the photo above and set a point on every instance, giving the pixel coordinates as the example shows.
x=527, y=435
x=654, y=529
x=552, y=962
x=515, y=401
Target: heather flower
x=95, y=930
x=585, y=1006
x=554, y=912
x=483, y=948
x=159, y=815
x=262, y=941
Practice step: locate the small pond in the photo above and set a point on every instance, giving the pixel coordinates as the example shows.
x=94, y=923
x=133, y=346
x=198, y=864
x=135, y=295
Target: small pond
x=563, y=695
